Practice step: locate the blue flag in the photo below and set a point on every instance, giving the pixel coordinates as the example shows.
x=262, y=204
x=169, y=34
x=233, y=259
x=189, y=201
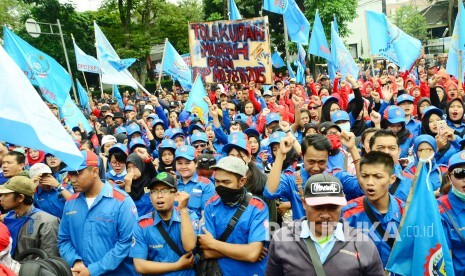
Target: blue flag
x=452, y=66
x=342, y=59
x=276, y=6
x=41, y=70
x=300, y=75
x=318, y=43
x=291, y=72
x=195, y=103
x=302, y=55
x=390, y=42
x=233, y=11
x=298, y=26
x=72, y=115
x=122, y=64
x=174, y=65
x=26, y=121
x=426, y=253
x=85, y=62
x=277, y=60
x=118, y=96
x=332, y=70
x=336, y=27
x=83, y=97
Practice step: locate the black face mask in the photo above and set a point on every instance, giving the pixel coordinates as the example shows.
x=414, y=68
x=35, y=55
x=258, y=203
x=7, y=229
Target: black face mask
x=230, y=197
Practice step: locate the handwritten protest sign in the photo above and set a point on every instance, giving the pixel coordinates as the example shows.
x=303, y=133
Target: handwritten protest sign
x=231, y=51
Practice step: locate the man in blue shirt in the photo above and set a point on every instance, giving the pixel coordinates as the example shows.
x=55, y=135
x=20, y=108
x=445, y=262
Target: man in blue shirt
x=151, y=252
x=95, y=232
x=241, y=253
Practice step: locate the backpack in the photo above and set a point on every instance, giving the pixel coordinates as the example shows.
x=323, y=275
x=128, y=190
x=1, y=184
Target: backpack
x=42, y=265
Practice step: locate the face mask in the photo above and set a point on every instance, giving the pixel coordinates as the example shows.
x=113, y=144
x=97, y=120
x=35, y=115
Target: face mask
x=345, y=127
x=335, y=141
x=458, y=194
x=230, y=196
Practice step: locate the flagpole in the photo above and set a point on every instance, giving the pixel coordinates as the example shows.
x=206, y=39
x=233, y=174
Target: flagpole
x=460, y=73
x=85, y=80
x=285, y=39
x=162, y=60
x=369, y=47
x=66, y=59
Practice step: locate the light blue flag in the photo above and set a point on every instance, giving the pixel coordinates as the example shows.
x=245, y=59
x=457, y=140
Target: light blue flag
x=342, y=58
x=72, y=115
x=174, y=65
x=41, y=69
x=291, y=72
x=118, y=96
x=26, y=121
x=276, y=6
x=233, y=11
x=195, y=103
x=422, y=252
x=300, y=75
x=302, y=55
x=332, y=70
x=297, y=24
x=461, y=27
x=122, y=64
x=187, y=60
x=277, y=60
x=390, y=42
x=86, y=63
x=336, y=27
x=452, y=66
x=83, y=97
x=318, y=43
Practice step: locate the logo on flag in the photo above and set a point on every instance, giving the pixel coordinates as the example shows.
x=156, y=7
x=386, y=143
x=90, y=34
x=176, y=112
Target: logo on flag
x=435, y=262
x=38, y=64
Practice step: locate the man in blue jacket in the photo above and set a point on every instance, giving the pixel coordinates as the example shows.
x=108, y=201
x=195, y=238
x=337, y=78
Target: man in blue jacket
x=95, y=232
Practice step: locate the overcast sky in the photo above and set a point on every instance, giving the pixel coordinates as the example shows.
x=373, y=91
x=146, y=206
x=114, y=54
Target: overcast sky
x=84, y=5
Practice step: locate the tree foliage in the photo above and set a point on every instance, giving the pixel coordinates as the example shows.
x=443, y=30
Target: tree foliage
x=409, y=19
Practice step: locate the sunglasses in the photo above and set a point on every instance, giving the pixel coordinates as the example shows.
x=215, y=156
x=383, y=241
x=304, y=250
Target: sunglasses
x=459, y=173
x=314, y=107
x=207, y=162
x=200, y=145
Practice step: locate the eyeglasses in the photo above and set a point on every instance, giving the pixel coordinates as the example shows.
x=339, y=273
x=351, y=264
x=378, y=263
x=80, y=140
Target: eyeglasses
x=231, y=109
x=207, y=162
x=459, y=173
x=425, y=150
x=51, y=156
x=116, y=163
x=314, y=107
x=200, y=145
x=163, y=191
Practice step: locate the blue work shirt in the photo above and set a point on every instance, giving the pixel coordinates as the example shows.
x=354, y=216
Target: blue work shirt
x=406, y=145
x=354, y=214
x=414, y=126
x=200, y=189
x=51, y=201
x=101, y=235
x=251, y=227
x=456, y=208
x=459, y=129
x=150, y=245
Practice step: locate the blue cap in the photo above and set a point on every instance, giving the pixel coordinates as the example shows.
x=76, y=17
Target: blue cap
x=153, y=116
x=175, y=132
x=252, y=132
x=241, y=117
x=186, y=152
x=158, y=122
x=272, y=117
x=457, y=160
x=276, y=137
x=432, y=110
x=340, y=115
x=328, y=98
x=236, y=140
x=133, y=128
x=394, y=114
x=199, y=136
x=136, y=142
x=129, y=108
x=184, y=116
x=194, y=127
x=424, y=138
x=120, y=129
x=118, y=147
x=90, y=160
x=405, y=98
x=167, y=144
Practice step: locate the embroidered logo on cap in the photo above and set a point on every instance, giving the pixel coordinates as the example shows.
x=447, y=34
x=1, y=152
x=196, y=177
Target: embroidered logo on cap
x=183, y=149
x=162, y=176
x=322, y=188
x=462, y=155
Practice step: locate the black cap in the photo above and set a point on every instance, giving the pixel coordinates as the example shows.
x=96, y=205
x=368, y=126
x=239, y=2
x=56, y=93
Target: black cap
x=323, y=127
x=105, y=108
x=164, y=178
x=429, y=65
x=174, y=104
x=118, y=115
x=112, y=101
x=322, y=189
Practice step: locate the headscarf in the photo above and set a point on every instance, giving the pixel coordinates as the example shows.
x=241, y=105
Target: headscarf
x=31, y=162
x=459, y=121
x=147, y=172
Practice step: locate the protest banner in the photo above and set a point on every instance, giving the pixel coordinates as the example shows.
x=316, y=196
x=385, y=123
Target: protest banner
x=231, y=51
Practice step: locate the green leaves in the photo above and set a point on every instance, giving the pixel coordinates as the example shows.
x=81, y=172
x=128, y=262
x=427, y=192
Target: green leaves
x=409, y=19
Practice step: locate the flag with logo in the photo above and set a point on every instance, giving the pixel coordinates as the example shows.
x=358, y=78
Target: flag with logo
x=452, y=66
x=40, y=69
x=390, y=42
x=107, y=56
x=72, y=115
x=233, y=11
x=276, y=6
x=298, y=27
x=318, y=43
x=25, y=120
x=118, y=96
x=290, y=71
x=342, y=59
x=300, y=75
x=85, y=62
x=422, y=252
x=83, y=97
x=174, y=65
x=277, y=60
x=302, y=54
x=196, y=103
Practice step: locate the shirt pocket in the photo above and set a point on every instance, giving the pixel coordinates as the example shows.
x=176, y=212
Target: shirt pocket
x=104, y=226
x=195, y=200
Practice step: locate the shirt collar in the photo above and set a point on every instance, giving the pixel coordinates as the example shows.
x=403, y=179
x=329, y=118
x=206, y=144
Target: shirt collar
x=457, y=205
x=393, y=212
x=174, y=217
x=338, y=234
x=194, y=178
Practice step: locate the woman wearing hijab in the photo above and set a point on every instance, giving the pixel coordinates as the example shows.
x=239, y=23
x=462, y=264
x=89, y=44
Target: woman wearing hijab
x=34, y=156
x=394, y=119
x=139, y=175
